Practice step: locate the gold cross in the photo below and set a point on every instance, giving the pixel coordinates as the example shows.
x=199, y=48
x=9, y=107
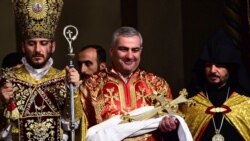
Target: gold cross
x=141, y=94
x=111, y=97
x=162, y=107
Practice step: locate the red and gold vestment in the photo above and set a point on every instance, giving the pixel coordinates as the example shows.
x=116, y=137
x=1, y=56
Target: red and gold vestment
x=41, y=104
x=105, y=94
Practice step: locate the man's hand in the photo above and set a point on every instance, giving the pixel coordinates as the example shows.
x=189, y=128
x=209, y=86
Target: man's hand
x=168, y=124
x=6, y=92
x=72, y=76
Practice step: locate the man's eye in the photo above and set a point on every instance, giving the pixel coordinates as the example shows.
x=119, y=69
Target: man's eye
x=88, y=63
x=44, y=43
x=208, y=64
x=221, y=65
x=123, y=49
x=79, y=63
x=136, y=49
x=31, y=43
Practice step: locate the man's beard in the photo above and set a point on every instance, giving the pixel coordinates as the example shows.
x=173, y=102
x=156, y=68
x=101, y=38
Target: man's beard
x=38, y=65
x=83, y=76
x=223, y=80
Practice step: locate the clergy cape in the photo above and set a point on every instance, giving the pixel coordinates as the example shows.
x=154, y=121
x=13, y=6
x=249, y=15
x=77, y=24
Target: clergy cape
x=238, y=114
x=41, y=105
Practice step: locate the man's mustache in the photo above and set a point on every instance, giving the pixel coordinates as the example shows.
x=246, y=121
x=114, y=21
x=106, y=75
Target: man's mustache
x=37, y=55
x=84, y=76
x=213, y=75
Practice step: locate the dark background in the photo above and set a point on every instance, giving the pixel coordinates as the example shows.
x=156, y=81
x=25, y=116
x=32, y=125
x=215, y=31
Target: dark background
x=174, y=31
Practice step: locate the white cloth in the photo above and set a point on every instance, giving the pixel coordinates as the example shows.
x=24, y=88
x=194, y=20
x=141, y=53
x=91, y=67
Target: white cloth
x=5, y=134
x=111, y=130
x=37, y=73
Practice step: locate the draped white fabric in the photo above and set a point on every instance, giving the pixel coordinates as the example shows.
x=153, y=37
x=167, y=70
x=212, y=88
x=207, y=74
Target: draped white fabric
x=111, y=130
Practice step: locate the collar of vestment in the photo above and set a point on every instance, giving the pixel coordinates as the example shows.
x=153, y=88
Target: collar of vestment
x=37, y=73
x=124, y=79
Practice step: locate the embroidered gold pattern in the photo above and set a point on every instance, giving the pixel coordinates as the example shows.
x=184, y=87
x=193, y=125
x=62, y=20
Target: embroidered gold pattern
x=111, y=96
x=37, y=18
x=109, y=99
x=37, y=9
x=239, y=116
x=141, y=94
x=40, y=121
x=40, y=131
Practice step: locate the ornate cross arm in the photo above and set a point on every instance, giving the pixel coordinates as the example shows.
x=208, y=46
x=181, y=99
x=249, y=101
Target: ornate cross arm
x=162, y=107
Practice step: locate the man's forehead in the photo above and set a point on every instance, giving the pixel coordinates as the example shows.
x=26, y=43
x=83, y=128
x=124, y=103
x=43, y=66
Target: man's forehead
x=87, y=55
x=128, y=47
x=216, y=63
x=93, y=50
x=224, y=65
x=128, y=40
x=88, y=52
x=37, y=39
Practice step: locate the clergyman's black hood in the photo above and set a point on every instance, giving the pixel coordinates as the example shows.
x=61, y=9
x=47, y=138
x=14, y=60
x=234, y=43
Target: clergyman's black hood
x=221, y=49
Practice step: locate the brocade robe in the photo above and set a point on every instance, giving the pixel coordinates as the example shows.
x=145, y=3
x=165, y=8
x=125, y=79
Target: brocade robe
x=235, y=109
x=105, y=94
x=40, y=104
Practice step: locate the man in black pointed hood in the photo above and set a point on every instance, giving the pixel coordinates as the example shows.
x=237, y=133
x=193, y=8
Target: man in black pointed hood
x=219, y=88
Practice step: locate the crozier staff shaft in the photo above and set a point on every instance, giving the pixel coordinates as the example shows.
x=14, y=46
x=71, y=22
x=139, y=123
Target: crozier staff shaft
x=70, y=32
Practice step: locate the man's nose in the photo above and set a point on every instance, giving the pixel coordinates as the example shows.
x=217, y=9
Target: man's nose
x=129, y=54
x=38, y=47
x=83, y=68
x=213, y=68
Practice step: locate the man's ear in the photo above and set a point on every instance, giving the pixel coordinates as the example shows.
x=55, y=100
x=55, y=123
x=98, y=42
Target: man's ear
x=102, y=66
x=53, y=47
x=22, y=47
x=111, y=50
